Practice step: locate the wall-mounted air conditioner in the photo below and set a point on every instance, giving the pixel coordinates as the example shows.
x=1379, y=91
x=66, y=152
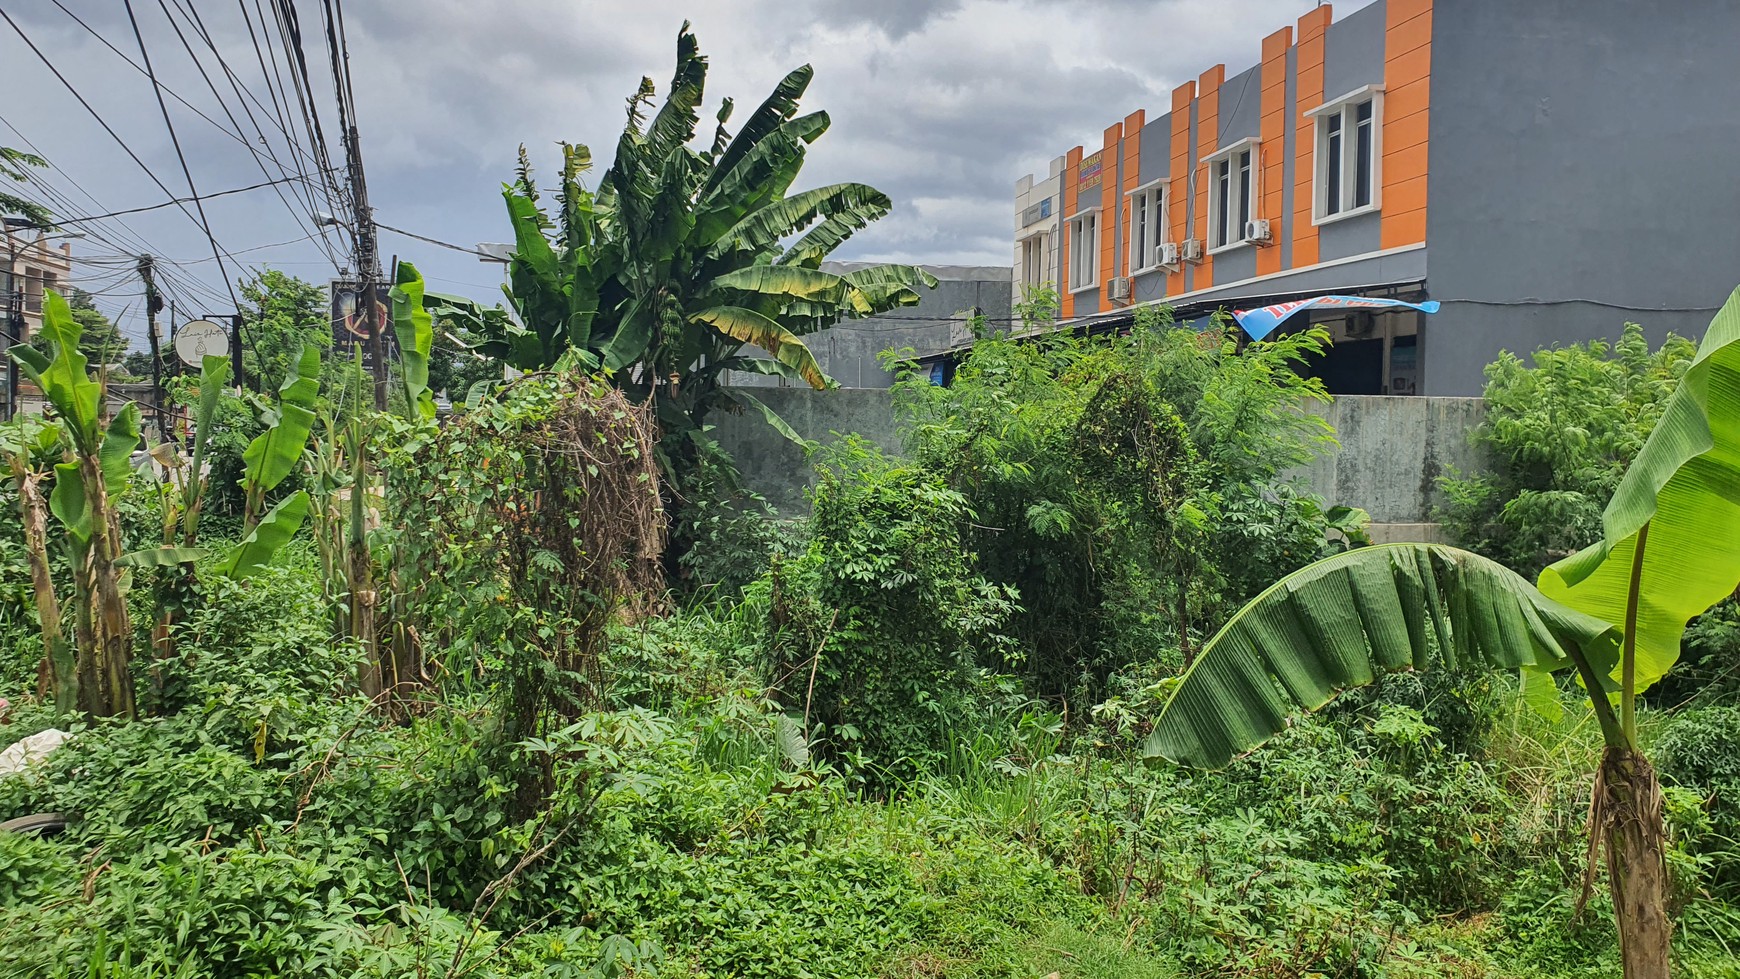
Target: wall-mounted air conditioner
x=1257, y=231
x=1169, y=254
x=1119, y=288
x=1190, y=250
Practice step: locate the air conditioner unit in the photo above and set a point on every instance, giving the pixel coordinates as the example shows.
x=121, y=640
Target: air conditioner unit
x=1257, y=231
x=1190, y=250
x=1120, y=288
x=1169, y=254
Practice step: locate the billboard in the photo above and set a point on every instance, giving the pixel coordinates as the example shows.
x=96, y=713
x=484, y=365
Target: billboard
x=350, y=327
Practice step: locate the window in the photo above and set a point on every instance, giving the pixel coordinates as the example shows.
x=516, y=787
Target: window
x=1084, y=250
x=32, y=289
x=1347, y=155
x=1034, y=267
x=1147, y=227
x=1232, y=192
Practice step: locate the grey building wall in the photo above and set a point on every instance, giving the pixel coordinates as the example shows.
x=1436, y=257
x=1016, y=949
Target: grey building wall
x=1353, y=50
x=1582, y=154
x=1241, y=104
x=850, y=352
x=1392, y=451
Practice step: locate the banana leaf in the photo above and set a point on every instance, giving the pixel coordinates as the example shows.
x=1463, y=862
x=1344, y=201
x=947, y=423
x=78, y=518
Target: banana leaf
x=160, y=557
x=415, y=330
x=791, y=283
x=779, y=106
x=268, y=536
x=766, y=226
x=273, y=455
x=62, y=378
x=772, y=417
x=749, y=326
x=1684, y=487
x=1343, y=621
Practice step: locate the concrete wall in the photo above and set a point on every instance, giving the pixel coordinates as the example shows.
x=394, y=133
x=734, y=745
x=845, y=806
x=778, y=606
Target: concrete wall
x=1039, y=231
x=1582, y=153
x=1393, y=449
x=850, y=352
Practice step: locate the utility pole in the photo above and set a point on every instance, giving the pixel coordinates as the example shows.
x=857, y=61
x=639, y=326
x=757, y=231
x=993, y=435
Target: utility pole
x=236, y=351
x=368, y=264
x=153, y=303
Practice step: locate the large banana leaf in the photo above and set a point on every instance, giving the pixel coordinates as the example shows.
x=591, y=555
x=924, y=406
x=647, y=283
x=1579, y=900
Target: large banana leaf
x=1342, y=621
x=791, y=283
x=889, y=285
x=268, y=536
x=762, y=175
x=820, y=241
x=749, y=326
x=415, y=330
x=1684, y=487
x=674, y=125
x=62, y=378
x=273, y=455
x=116, y=455
x=779, y=106
x=763, y=228
x=160, y=557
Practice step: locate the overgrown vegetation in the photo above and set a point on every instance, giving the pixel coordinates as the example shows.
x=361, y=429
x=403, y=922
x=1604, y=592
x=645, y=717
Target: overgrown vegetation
x=455, y=719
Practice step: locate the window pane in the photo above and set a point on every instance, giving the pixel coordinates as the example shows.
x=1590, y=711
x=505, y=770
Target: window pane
x=1362, y=158
x=1332, y=168
x=1139, y=231
x=1223, y=185
x=1244, y=190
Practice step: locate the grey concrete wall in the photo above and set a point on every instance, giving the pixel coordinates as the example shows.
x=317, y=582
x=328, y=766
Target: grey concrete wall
x=1581, y=150
x=1353, y=51
x=1241, y=104
x=850, y=352
x=1392, y=452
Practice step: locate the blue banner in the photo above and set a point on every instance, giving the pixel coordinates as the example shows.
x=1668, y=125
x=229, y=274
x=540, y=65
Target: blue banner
x=1259, y=323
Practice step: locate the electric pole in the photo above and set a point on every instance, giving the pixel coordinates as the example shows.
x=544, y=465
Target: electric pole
x=153, y=303
x=368, y=265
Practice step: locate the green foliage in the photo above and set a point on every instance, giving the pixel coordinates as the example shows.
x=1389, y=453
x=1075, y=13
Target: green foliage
x=875, y=627
x=12, y=164
x=282, y=316
x=1558, y=435
x=1131, y=489
x=1700, y=750
x=100, y=340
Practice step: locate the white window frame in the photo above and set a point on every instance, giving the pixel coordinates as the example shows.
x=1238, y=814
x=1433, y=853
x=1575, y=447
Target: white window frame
x=1243, y=192
x=1090, y=216
x=1344, y=109
x=1036, y=243
x=1147, y=211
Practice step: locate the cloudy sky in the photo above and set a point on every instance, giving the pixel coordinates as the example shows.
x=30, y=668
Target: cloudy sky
x=943, y=105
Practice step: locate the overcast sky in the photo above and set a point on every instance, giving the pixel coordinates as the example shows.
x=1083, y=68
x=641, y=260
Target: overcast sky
x=942, y=105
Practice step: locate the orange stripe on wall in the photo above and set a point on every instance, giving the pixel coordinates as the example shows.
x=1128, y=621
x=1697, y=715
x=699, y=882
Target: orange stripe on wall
x=1406, y=123
x=1066, y=298
x=1108, y=223
x=1178, y=185
x=1207, y=141
x=1273, y=148
x=1132, y=168
x=1308, y=93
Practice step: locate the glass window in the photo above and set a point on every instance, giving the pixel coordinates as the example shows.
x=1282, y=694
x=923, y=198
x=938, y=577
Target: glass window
x=1348, y=163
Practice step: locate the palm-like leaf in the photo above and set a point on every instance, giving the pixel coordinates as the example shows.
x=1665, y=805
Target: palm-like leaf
x=763, y=228
x=784, y=284
x=780, y=105
x=748, y=326
x=1685, y=488
x=1341, y=622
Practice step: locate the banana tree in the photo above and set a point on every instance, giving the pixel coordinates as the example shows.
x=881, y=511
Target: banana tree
x=87, y=484
x=1614, y=612
x=688, y=261
x=27, y=442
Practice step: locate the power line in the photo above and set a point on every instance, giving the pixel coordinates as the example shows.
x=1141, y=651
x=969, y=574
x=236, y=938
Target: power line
x=175, y=141
x=432, y=241
x=179, y=200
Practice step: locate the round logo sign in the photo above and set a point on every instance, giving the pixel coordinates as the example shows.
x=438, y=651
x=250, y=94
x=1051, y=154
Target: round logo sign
x=195, y=340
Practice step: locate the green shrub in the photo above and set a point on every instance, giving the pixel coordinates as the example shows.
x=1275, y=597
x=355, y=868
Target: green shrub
x=1700, y=750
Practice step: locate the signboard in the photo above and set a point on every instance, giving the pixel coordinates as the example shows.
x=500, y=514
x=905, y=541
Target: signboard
x=1037, y=212
x=350, y=327
x=195, y=340
x=1089, y=174
x=1259, y=323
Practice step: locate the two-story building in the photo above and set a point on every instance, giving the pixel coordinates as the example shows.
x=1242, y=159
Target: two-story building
x=1545, y=170
x=30, y=264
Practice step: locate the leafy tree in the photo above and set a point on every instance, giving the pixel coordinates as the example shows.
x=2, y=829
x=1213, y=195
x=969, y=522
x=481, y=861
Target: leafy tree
x=1559, y=435
x=281, y=315
x=12, y=164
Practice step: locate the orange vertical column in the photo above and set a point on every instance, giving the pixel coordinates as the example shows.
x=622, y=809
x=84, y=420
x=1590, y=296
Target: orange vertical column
x=1308, y=91
x=1178, y=185
x=1065, y=297
x=1108, y=211
x=1274, y=143
x=1207, y=141
x=1132, y=168
x=1407, y=104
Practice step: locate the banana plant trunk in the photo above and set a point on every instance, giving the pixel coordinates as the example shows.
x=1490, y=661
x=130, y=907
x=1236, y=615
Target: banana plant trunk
x=105, y=683
x=1626, y=813
x=57, y=656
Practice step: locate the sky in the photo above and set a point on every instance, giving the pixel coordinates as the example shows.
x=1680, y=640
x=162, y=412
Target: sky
x=942, y=105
